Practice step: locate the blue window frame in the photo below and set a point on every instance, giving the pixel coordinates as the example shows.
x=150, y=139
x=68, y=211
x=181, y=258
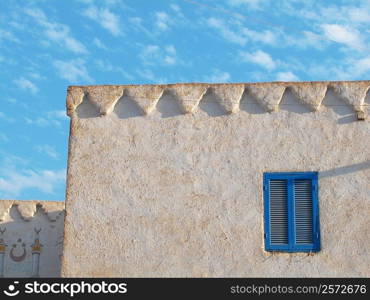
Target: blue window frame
x=291, y=212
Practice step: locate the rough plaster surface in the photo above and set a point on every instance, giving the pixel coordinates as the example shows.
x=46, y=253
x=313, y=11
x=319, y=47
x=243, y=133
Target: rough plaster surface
x=21, y=223
x=175, y=194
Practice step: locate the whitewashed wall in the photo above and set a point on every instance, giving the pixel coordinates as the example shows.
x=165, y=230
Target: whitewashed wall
x=31, y=238
x=167, y=180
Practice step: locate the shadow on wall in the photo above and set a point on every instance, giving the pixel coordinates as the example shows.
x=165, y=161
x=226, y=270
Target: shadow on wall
x=167, y=106
x=345, y=113
x=250, y=105
x=31, y=246
x=211, y=106
x=126, y=108
x=87, y=109
x=290, y=103
x=345, y=170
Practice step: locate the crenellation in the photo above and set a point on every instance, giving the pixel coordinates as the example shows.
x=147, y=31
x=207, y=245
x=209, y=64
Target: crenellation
x=310, y=94
x=229, y=96
x=353, y=93
x=189, y=96
x=145, y=96
x=267, y=94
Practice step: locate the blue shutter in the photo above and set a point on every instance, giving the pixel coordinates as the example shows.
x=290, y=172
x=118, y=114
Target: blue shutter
x=291, y=212
x=303, y=211
x=278, y=212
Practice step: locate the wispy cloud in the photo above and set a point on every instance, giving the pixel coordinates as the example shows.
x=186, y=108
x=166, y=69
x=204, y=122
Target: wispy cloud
x=50, y=118
x=286, y=76
x=264, y=36
x=26, y=84
x=343, y=35
x=235, y=32
x=260, y=58
x=148, y=74
x=226, y=32
x=98, y=43
x=56, y=32
x=153, y=55
x=253, y=4
x=57, y=114
x=217, y=75
x=137, y=24
x=13, y=182
x=106, y=66
x=105, y=18
x=48, y=150
x=6, y=118
x=162, y=20
x=3, y=137
x=7, y=35
x=359, y=67
x=73, y=70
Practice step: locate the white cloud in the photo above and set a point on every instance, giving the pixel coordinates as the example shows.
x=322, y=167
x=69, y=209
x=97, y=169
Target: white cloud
x=260, y=58
x=7, y=35
x=48, y=150
x=359, y=15
x=50, y=118
x=13, y=182
x=254, y=4
x=57, y=32
x=107, y=19
x=344, y=14
x=149, y=75
x=153, y=54
x=60, y=34
x=25, y=84
x=175, y=7
x=226, y=32
x=98, y=43
x=266, y=36
x=3, y=137
x=307, y=39
x=217, y=76
x=6, y=118
x=42, y=122
x=162, y=20
x=137, y=24
x=360, y=67
x=106, y=66
x=343, y=35
x=235, y=32
x=286, y=76
x=350, y=68
x=73, y=70
x=57, y=114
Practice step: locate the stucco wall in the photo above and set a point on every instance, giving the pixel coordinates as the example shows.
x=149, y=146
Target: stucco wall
x=167, y=180
x=31, y=238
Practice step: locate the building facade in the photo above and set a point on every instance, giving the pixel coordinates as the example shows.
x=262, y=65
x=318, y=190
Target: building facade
x=218, y=180
x=31, y=238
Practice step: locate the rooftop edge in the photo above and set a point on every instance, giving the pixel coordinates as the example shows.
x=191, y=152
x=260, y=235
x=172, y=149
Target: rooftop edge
x=267, y=94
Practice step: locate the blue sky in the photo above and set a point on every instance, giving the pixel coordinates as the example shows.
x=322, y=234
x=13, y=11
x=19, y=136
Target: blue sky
x=46, y=45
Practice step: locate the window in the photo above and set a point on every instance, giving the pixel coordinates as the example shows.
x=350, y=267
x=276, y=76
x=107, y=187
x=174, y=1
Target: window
x=291, y=212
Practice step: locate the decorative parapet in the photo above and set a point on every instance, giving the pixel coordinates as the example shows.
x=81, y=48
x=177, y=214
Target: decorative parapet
x=189, y=95
x=27, y=210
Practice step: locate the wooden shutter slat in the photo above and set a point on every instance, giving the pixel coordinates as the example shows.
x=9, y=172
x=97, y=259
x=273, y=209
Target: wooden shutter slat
x=303, y=211
x=278, y=212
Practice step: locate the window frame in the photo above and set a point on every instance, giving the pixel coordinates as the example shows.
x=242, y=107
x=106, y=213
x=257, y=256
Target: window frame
x=292, y=246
